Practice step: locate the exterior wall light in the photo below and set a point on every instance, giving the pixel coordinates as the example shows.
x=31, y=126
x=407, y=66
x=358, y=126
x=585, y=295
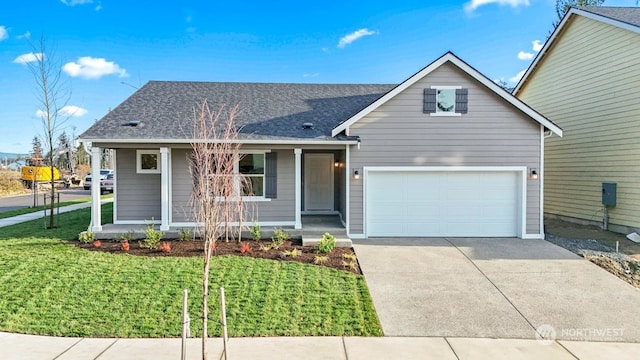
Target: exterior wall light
x=356, y=174
x=533, y=174
x=336, y=164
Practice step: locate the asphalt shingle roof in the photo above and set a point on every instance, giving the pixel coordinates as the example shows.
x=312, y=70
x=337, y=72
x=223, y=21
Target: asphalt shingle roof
x=268, y=111
x=629, y=15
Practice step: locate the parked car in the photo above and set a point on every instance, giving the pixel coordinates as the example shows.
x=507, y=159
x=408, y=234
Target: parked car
x=103, y=175
x=106, y=185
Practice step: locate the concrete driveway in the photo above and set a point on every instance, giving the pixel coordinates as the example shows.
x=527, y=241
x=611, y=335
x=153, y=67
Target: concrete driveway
x=496, y=288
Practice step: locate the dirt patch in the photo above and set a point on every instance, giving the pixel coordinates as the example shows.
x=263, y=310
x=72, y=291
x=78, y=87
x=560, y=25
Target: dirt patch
x=340, y=258
x=599, y=247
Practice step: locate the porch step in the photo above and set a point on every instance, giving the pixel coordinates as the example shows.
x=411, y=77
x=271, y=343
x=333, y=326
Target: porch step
x=314, y=239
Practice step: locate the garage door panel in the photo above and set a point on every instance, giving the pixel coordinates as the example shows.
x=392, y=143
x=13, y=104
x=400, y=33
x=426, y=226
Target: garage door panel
x=439, y=203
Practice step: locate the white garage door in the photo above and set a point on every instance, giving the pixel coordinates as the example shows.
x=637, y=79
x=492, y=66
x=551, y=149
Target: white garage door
x=435, y=203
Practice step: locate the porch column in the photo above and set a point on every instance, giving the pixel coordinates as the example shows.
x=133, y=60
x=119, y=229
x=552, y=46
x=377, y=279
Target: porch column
x=96, y=213
x=164, y=188
x=298, y=186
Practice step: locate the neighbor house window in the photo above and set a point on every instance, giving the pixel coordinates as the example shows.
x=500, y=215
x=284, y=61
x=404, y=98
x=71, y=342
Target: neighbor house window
x=445, y=101
x=148, y=161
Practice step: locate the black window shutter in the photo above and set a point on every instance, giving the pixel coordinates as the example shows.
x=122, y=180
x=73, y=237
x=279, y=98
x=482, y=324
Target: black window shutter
x=271, y=175
x=462, y=100
x=429, y=101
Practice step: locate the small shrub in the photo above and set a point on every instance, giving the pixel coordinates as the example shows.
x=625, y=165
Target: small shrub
x=185, y=234
x=320, y=259
x=124, y=246
x=165, y=247
x=290, y=253
x=265, y=247
x=350, y=264
x=85, y=237
x=97, y=243
x=351, y=257
x=245, y=248
x=279, y=236
x=255, y=231
x=152, y=238
x=327, y=243
x=128, y=236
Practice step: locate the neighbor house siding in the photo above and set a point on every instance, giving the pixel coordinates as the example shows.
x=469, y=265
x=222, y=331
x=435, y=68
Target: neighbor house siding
x=586, y=83
x=492, y=133
x=138, y=194
x=280, y=209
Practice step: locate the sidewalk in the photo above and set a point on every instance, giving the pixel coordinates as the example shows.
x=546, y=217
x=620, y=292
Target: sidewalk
x=40, y=214
x=17, y=346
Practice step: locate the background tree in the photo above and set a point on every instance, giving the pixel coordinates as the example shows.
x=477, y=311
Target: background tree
x=216, y=199
x=562, y=6
x=37, y=150
x=63, y=152
x=52, y=95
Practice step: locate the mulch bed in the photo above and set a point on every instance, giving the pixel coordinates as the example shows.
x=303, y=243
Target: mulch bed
x=308, y=254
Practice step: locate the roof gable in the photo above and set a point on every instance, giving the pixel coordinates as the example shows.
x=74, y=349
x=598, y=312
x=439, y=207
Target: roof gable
x=623, y=17
x=451, y=58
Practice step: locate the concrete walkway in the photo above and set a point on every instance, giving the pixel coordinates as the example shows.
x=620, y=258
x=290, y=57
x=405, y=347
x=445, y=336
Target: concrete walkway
x=40, y=214
x=495, y=288
x=29, y=347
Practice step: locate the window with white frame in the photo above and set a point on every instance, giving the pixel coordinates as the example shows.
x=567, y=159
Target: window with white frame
x=148, y=161
x=445, y=101
x=247, y=177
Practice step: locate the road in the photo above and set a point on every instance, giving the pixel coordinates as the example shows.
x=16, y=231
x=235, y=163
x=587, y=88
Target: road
x=22, y=201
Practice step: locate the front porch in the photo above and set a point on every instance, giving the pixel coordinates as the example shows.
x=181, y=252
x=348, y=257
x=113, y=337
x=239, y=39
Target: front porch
x=313, y=226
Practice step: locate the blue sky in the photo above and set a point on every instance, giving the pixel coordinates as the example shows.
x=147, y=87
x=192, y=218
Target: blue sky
x=106, y=48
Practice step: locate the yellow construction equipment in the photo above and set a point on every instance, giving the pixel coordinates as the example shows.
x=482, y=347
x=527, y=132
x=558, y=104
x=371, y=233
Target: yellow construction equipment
x=37, y=171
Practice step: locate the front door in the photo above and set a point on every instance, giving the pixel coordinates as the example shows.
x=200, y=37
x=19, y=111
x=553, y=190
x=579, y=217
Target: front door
x=318, y=182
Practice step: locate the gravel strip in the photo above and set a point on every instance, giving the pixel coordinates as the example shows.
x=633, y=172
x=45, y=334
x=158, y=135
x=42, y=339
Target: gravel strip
x=577, y=245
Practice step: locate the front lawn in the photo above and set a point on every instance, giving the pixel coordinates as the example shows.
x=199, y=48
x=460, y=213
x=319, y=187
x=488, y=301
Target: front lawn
x=49, y=286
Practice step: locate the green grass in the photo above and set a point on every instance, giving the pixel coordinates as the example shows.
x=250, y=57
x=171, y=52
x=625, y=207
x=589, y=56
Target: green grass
x=49, y=286
x=28, y=210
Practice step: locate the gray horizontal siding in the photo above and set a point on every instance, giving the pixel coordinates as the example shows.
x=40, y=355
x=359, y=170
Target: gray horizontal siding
x=280, y=209
x=138, y=194
x=492, y=133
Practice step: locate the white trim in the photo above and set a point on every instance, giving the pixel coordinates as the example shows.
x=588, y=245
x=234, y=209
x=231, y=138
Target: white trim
x=298, y=187
x=96, y=210
x=245, y=199
x=115, y=187
x=347, y=180
x=248, y=224
x=449, y=57
x=541, y=179
x=520, y=170
x=533, y=237
x=170, y=171
x=324, y=212
x=556, y=33
x=245, y=142
x=137, y=222
x=164, y=188
x=140, y=170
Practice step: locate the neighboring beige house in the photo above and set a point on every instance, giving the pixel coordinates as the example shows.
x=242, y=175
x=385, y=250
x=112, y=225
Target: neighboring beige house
x=585, y=79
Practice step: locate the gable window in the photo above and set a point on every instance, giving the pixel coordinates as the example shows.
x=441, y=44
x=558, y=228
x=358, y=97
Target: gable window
x=148, y=161
x=445, y=101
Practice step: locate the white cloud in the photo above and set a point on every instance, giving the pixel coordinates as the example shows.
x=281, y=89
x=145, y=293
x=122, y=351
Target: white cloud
x=537, y=45
x=26, y=35
x=76, y=2
x=517, y=77
x=89, y=67
x=28, y=57
x=349, y=38
x=474, y=4
x=523, y=55
x=4, y=34
x=307, y=75
x=69, y=110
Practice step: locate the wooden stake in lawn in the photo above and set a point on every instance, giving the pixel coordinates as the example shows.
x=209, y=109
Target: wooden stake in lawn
x=216, y=199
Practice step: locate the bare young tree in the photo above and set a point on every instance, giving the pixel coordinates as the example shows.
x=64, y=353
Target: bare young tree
x=52, y=94
x=216, y=201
